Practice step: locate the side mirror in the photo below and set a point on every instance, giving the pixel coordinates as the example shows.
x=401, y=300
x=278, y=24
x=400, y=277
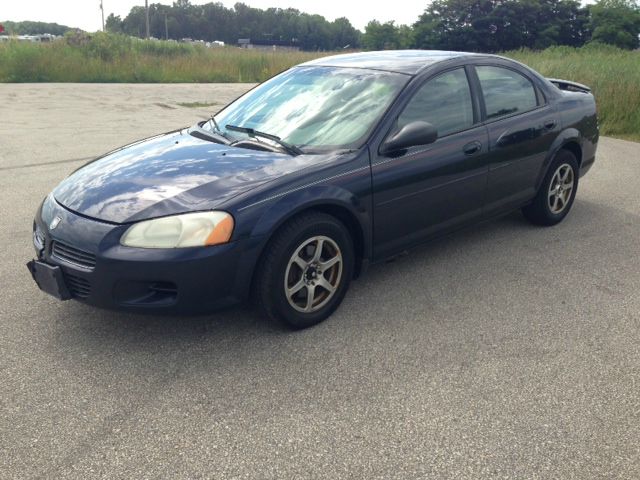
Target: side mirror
x=411, y=135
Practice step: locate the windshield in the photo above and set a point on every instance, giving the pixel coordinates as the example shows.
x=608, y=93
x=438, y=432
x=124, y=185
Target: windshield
x=320, y=108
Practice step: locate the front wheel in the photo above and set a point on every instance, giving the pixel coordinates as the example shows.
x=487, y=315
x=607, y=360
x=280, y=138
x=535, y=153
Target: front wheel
x=557, y=192
x=306, y=270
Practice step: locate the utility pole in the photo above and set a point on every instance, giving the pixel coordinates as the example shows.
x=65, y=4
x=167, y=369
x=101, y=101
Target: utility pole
x=146, y=13
x=102, y=10
x=166, y=28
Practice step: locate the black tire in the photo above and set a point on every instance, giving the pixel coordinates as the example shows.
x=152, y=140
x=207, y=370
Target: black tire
x=540, y=211
x=276, y=263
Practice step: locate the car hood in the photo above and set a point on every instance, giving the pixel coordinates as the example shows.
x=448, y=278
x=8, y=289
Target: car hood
x=169, y=174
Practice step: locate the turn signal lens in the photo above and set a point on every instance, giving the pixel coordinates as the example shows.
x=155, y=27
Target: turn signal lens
x=178, y=231
x=221, y=233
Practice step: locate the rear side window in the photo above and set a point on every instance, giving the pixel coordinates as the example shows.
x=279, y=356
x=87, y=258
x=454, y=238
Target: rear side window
x=444, y=101
x=505, y=92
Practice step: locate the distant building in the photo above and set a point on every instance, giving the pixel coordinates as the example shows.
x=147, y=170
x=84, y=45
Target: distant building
x=268, y=44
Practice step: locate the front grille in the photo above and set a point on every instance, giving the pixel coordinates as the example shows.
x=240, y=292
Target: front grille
x=78, y=287
x=73, y=255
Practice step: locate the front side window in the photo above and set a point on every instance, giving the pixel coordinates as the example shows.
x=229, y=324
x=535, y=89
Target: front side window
x=443, y=101
x=505, y=91
x=315, y=108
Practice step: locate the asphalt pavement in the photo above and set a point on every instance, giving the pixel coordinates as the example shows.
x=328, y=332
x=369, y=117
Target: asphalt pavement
x=502, y=351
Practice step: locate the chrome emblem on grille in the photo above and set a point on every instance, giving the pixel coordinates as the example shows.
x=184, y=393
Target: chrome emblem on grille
x=54, y=223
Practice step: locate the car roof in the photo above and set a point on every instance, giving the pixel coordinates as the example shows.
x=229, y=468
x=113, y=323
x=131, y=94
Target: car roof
x=401, y=61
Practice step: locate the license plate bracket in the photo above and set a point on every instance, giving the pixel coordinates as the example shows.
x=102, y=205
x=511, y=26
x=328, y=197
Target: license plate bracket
x=49, y=278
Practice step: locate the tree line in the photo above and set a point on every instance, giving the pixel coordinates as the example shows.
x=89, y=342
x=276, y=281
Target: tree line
x=469, y=25
x=33, y=28
x=501, y=25
x=213, y=21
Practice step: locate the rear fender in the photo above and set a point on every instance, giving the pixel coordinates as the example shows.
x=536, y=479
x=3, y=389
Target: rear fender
x=566, y=136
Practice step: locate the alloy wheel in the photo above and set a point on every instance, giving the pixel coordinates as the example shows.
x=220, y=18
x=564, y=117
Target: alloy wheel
x=560, y=188
x=313, y=274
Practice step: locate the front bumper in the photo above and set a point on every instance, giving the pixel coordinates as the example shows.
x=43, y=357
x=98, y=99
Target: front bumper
x=97, y=270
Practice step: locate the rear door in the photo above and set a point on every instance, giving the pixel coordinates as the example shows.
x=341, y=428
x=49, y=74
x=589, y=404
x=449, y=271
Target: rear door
x=429, y=188
x=521, y=126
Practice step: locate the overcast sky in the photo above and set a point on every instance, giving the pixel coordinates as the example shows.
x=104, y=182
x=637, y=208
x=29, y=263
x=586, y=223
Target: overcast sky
x=85, y=14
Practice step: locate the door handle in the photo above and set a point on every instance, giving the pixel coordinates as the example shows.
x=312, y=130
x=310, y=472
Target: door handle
x=549, y=124
x=472, y=148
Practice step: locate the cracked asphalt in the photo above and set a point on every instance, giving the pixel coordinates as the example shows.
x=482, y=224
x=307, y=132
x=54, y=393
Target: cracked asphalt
x=502, y=351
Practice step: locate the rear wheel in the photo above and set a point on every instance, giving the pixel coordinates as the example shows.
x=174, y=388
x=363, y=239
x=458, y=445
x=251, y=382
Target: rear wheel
x=557, y=192
x=306, y=270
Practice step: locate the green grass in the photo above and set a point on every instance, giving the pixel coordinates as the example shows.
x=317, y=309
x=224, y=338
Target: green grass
x=613, y=74
x=104, y=58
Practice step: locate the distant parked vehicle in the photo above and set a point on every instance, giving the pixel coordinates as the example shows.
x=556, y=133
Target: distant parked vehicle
x=41, y=38
x=292, y=189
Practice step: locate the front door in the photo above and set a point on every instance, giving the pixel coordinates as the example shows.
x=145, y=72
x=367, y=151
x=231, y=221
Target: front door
x=427, y=189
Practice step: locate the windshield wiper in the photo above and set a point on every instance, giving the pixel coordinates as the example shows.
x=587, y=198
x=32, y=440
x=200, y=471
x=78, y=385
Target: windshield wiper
x=200, y=132
x=212, y=119
x=289, y=148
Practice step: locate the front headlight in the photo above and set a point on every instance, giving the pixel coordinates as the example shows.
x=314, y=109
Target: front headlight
x=188, y=230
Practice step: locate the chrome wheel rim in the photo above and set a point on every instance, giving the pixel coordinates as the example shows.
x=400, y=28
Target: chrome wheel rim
x=313, y=274
x=560, y=188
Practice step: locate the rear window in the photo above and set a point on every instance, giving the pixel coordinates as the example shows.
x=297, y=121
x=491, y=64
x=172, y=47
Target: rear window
x=505, y=91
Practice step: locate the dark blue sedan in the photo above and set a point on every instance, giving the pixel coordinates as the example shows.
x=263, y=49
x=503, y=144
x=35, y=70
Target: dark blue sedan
x=290, y=191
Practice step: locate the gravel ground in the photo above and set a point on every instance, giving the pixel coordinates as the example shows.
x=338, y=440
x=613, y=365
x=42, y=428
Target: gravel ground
x=503, y=351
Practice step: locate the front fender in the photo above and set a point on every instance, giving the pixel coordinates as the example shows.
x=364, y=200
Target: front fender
x=319, y=197
x=261, y=220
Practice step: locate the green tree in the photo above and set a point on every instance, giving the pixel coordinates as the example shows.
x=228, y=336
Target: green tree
x=405, y=36
x=114, y=24
x=380, y=36
x=616, y=22
x=214, y=21
x=498, y=25
x=34, y=28
x=344, y=35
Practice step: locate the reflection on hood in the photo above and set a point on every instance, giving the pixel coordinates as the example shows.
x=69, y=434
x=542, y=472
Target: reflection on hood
x=169, y=174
